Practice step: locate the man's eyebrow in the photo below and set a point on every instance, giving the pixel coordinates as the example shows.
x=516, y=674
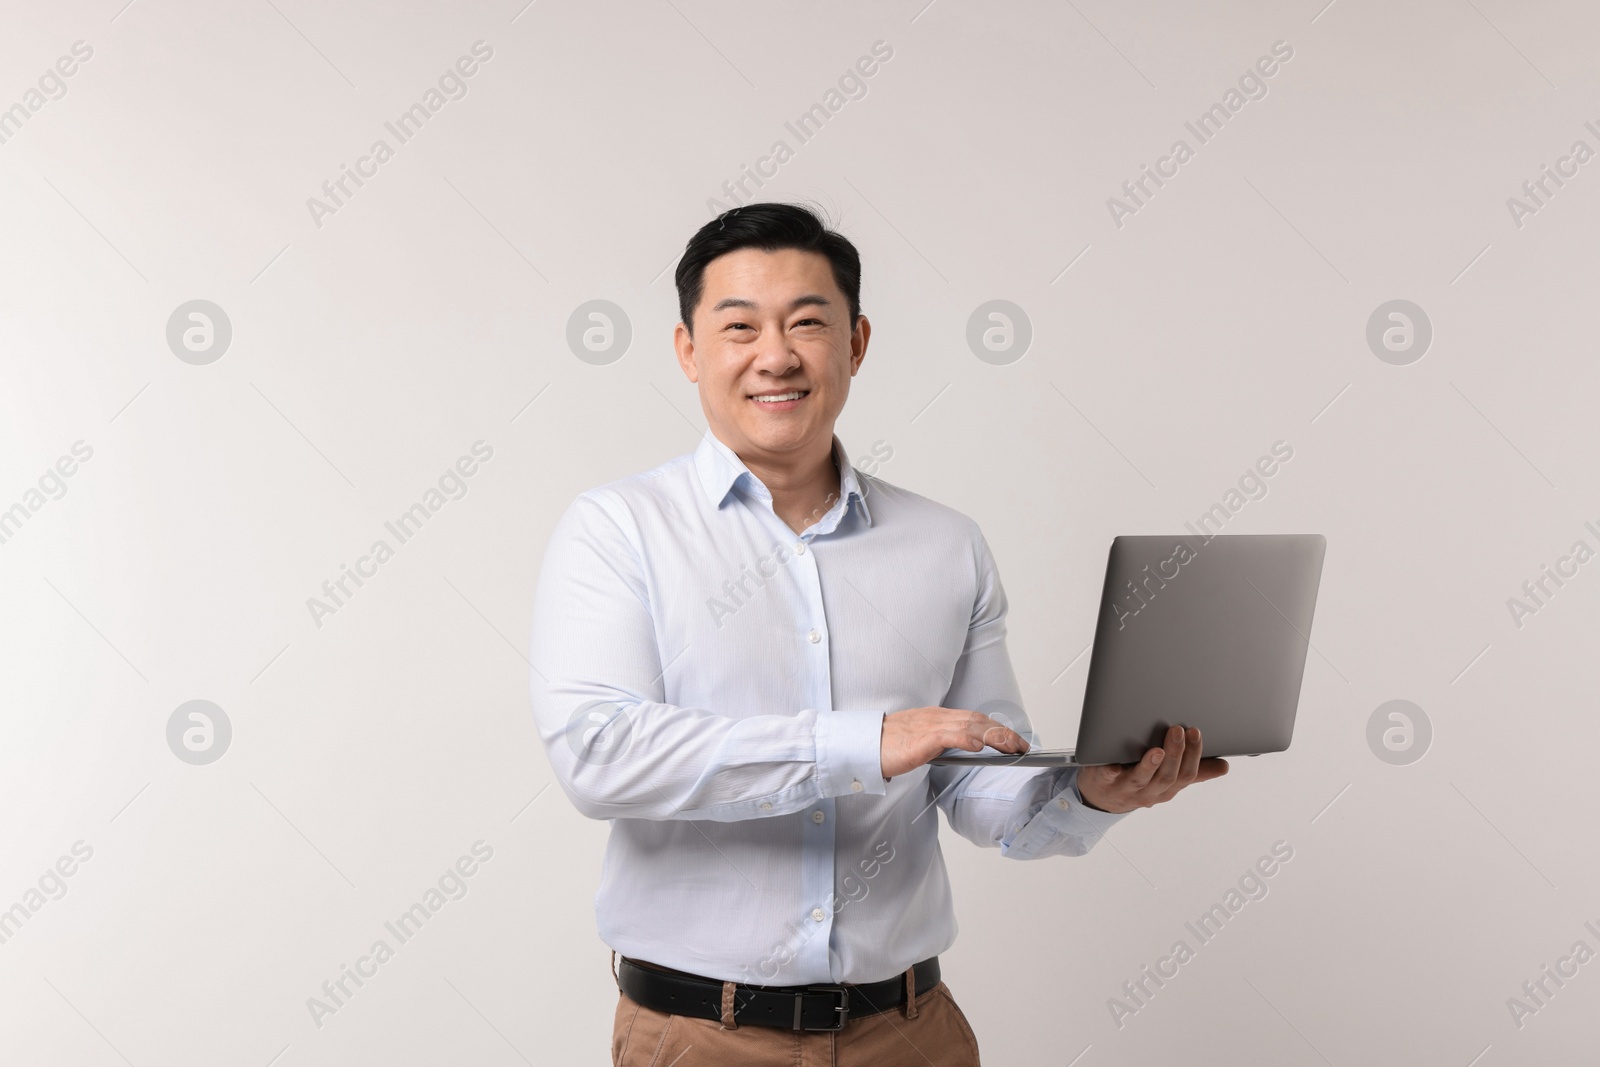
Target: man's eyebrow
x=808, y=300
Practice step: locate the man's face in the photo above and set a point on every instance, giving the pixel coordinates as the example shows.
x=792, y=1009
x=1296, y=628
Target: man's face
x=772, y=323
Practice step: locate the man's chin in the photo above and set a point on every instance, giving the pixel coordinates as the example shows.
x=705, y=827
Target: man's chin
x=779, y=439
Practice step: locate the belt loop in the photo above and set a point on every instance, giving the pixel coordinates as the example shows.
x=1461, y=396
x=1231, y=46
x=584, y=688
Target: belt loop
x=728, y=1021
x=614, y=976
x=911, y=992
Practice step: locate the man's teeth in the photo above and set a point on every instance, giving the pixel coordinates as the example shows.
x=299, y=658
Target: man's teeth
x=780, y=397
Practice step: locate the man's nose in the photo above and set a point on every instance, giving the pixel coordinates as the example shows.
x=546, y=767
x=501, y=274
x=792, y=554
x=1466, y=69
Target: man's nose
x=775, y=353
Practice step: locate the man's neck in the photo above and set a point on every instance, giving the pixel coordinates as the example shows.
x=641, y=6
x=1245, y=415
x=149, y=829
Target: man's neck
x=802, y=491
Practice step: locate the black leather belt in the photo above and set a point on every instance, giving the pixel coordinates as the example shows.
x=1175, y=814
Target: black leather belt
x=812, y=1007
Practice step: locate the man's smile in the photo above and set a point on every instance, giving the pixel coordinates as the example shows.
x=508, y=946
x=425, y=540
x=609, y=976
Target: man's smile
x=785, y=400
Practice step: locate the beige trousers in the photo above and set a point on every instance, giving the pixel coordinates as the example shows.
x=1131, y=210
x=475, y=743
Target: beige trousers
x=929, y=1030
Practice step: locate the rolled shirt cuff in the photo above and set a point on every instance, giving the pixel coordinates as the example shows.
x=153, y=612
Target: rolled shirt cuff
x=1077, y=818
x=1062, y=825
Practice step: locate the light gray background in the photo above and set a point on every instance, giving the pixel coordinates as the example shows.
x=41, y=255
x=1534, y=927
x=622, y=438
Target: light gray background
x=368, y=354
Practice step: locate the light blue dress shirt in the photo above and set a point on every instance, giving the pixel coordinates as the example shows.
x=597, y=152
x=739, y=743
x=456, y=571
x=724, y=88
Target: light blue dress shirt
x=714, y=684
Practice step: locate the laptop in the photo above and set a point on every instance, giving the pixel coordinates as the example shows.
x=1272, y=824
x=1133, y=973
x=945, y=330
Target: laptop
x=1207, y=632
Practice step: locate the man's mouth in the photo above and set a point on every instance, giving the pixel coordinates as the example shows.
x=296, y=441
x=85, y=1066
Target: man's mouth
x=781, y=398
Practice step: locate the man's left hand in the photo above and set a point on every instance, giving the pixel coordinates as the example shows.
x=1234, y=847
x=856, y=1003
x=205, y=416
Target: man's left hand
x=1158, y=777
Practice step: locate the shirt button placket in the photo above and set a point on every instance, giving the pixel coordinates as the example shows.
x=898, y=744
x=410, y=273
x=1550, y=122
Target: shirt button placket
x=817, y=863
x=819, y=837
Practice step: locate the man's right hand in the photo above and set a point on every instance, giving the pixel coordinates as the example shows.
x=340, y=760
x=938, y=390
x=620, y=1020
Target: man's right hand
x=916, y=735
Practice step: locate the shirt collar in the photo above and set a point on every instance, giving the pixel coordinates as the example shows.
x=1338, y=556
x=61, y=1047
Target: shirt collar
x=720, y=470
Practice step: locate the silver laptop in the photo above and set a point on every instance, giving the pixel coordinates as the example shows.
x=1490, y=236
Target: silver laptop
x=1207, y=632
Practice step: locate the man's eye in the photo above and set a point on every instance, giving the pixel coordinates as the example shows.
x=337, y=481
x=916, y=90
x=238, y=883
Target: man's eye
x=736, y=326
x=809, y=322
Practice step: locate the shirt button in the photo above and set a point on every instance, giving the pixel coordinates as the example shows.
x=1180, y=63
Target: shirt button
x=799, y=548
x=766, y=805
x=856, y=787
x=818, y=914
x=814, y=637
x=817, y=817
x=1062, y=803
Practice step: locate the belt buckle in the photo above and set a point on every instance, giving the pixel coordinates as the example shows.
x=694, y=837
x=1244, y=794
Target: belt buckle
x=842, y=1008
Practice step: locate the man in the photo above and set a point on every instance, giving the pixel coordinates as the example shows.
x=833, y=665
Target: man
x=745, y=658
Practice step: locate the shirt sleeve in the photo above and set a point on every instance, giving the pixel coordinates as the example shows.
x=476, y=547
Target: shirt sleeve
x=1025, y=812
x=618, y=749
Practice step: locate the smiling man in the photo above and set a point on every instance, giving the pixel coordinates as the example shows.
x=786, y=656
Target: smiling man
x=744, y=660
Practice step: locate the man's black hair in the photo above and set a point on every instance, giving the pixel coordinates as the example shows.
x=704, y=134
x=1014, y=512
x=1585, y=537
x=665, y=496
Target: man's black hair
x=769, y=227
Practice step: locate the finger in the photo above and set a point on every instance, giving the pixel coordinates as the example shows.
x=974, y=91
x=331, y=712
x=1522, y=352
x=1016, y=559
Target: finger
x=975, y=738
x=1139, y=774
x=1187, y=765
x=1191, y=756
x=972, y=730
x=958, y=737
x=999, y=735
x=1167, y=776
x=1211, y=767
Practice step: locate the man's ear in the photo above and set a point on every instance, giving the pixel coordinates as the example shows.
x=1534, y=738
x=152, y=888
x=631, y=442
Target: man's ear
x=858, y=343
x=683, y=345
